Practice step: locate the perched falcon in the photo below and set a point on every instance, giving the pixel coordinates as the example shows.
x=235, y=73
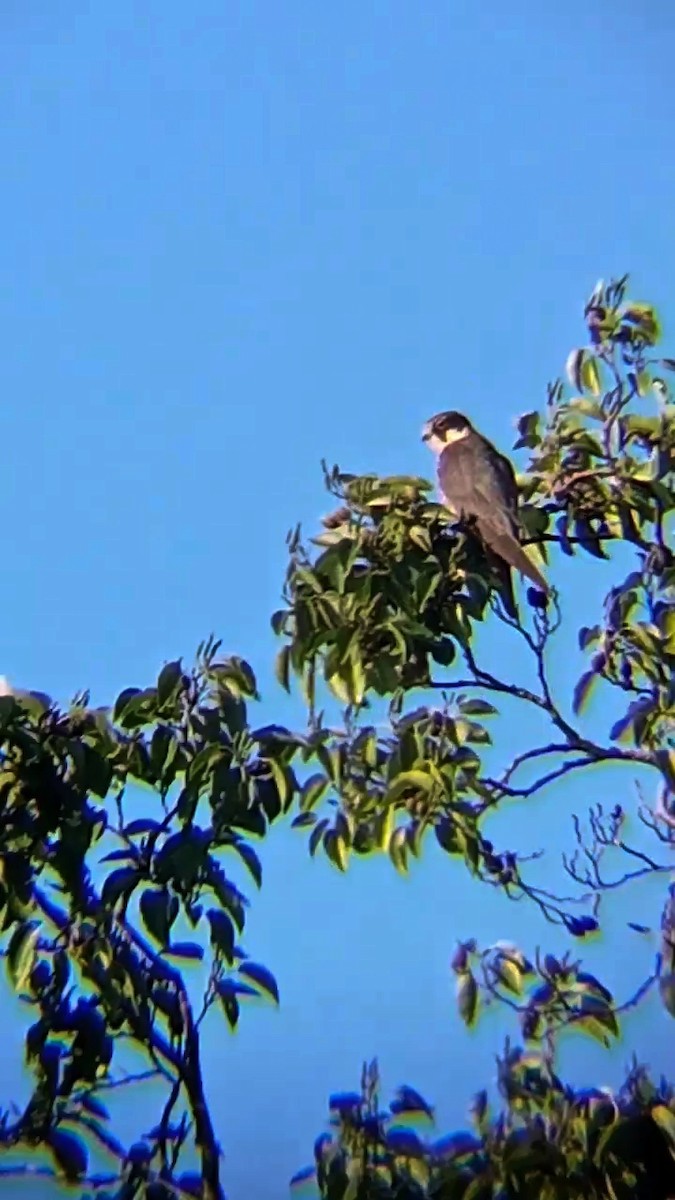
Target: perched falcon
x=476, y=481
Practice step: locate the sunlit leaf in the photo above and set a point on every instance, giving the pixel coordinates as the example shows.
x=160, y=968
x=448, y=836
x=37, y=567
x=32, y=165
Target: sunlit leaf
x=398, y=850
x=312, y=790
x=21, y=953
x=336, y=849
x=509, y=974
x=590, y=376
x=467, y=997
x=573, y=368
x=409, y=781
x=665, y=1119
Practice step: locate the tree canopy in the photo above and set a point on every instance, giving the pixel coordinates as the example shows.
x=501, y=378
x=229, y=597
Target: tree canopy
x=380, y=631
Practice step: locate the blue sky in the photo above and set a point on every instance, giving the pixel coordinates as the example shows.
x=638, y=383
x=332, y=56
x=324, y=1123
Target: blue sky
x=239, y=238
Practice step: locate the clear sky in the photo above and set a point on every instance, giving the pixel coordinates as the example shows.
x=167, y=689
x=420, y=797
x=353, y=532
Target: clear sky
x=238, y=238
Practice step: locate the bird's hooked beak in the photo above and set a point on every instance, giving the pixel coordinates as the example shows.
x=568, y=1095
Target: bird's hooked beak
x=426, y=433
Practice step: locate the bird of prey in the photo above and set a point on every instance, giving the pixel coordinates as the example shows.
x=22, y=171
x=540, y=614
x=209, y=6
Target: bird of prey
x=475, y=480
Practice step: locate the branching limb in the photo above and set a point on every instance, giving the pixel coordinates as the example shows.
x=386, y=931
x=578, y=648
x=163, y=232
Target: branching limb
x=606, y=835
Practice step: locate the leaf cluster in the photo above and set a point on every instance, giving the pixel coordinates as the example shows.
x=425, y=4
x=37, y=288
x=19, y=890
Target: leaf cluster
x=548, y=1142
x=124, y=830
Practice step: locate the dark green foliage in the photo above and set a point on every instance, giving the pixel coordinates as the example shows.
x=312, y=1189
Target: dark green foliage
x=73, y=949
x=549, y=1141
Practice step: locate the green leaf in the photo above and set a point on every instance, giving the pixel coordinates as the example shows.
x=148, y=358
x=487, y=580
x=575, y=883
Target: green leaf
x=467, y=997
x=98, y=771
x=398, y=850
x=574, y=367
x=229, y=1003
x=317, y=833
x=643, y=316
x=336, y=849
x=141, y=826
x=312, y=790
x=187, y=950
x=119, y=883
x=408, y=1100
x=222, y=933
x=632, y=722
x=535, y=521
x=262, y=978
x=587, y=538
x=129, y=854
x=169, y=682
x=528, y=431
x=35, y=703
x=93, y=1105
x=588, y=984
x=644, y=383
x=384, y=826
x=590, y=376
x=588, y=636
x=597, y=1019
x=447, y=835
x=251, y=861
x=590, y=408
x=69, y=1153
x=238, y=675
x=278, y=621
x=481, y=1189
x=229, y=896
x=414, y=781
x=348, y=682
x=420, y=537
x=163, y=750
x=598, y=1028
x=582, y=691
x=303, y=820
x=158, y=910
x=477, y=708
x=443, y=652
x=509, y=974
x=135, y=709
x=331, y=761
x=123, y=701
x=282, y=667
x=665, y=1119
x=21, y=953
x=644, y=426
x=471, y=731
x=284, y=781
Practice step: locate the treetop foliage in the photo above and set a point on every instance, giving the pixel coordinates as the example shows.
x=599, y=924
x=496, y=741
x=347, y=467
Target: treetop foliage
x=104, y=911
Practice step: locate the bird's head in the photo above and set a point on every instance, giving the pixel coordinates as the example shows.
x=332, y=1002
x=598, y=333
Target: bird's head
x=444, y=429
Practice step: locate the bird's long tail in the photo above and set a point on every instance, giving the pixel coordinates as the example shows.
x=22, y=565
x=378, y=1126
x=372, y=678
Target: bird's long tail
x=512, y=552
